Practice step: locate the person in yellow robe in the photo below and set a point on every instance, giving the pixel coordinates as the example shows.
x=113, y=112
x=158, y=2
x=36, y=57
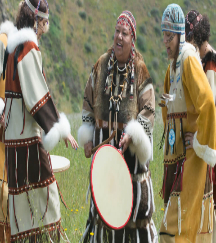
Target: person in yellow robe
x=187, y=107
x=5, y=29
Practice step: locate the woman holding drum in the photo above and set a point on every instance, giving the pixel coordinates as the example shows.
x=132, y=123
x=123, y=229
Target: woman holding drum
x=34, y=204
x=119, y=97
x=188, y=107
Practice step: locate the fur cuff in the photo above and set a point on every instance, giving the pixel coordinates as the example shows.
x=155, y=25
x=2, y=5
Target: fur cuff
x=140, y=145
x=204, y=152
x=2, y=106
x=6, y=27
x=60, y=129
x=85, y=134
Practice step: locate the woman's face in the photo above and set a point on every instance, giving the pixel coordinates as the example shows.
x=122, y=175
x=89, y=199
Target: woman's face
x=42, y=28
x=171, y=42
x=122, y=43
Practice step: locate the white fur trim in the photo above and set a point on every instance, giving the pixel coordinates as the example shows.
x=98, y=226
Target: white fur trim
x=85, y=134
x=60, y=130
x=6, y=27
x=204, y=152
x=19, y=37
x=2, y=106
x=140, y=145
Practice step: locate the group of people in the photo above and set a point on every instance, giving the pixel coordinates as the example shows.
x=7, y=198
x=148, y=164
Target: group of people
x=119, y=96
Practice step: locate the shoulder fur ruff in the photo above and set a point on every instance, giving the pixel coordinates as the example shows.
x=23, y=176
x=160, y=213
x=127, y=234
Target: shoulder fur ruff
x=19, y=37
x=7, y=27
x=204, y=152
x=60, y=130
x=141, y=145
x=210, y=56
x=85, y=134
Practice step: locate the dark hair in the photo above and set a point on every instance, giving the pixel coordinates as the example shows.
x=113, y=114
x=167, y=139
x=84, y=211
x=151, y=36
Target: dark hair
x=25, y=16
x=176, y=55
x=200, y=31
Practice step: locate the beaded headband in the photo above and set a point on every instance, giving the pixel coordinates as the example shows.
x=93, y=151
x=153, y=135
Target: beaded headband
x=36, y=11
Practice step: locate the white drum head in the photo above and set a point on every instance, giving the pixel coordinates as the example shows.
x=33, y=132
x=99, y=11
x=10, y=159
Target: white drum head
x=111, y=187
x=59, y=163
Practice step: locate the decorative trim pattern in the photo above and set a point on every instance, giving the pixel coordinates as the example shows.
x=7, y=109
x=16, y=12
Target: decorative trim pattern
x=22, y=142
x=148, y=107
x=44, y=229
x=208, y=195
x=40, y=103
x=31, y=186
x=173, y=161
x=10, y=94
x=88, y=119
x=177, y=115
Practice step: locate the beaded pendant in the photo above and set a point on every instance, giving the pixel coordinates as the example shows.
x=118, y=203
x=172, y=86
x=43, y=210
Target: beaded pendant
x=171, y=139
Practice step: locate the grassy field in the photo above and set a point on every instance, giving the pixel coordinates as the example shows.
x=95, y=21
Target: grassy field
x=74, y=182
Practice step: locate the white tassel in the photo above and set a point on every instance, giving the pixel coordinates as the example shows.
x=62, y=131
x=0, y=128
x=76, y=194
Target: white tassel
x=113, y=236
x=87, y=194
x=123, y=241
x=102, y=234
x=101, y=135
x=136, y=165
x=209, y=223
x=95, y=234
x=202, y=216
x=112, y=141
x=137, y=236
x=179, y=215
x=67, y=240
x=152, y=194
x=165, y=214
x=85, y=233
x=94, y=138
x=138, y=201
x=149, y=196
x=50, y=237
x=39, y=162
x=149, y=234
x=155, y=240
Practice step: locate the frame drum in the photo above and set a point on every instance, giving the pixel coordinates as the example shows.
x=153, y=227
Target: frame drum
x=111, y=187
x=59, y=163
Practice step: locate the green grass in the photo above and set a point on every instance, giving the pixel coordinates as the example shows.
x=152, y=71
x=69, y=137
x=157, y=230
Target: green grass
x=74, y=182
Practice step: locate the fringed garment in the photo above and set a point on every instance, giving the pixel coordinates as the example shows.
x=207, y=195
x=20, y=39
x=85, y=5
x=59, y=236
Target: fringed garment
x=209, y=62
x=187, y=184
x=34, y=204
x=4, y=215
x=97, y=116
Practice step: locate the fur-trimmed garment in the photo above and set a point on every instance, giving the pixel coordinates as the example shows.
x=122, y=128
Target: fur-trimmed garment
x=34, y=204
x=136, y=118
x=187, y=185
x=5, y=29
x=209, y=62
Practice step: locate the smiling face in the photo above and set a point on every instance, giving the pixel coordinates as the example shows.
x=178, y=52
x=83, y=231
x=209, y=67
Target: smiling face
x=122, y=43
x=171, y=43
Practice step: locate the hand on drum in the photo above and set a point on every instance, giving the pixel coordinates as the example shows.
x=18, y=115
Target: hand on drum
x=124, y=142
x=189, y=140
x=72, y=141
x=88, y=149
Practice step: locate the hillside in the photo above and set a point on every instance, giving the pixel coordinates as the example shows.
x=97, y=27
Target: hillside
x=82, y=30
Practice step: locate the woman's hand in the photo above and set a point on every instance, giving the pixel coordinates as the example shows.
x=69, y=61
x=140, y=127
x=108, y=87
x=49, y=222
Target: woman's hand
x=2, y=121
x=189, y=140
x=124, y=142
x=72, y=141
x=88, y=148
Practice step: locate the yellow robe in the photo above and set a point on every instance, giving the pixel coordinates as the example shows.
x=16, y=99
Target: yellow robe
x=188, y=193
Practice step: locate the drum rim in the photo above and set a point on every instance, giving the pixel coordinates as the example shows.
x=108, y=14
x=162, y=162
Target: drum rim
x=64, y=168
x=93, y=196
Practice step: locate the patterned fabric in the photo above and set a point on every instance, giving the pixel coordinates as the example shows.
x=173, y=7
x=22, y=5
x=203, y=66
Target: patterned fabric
x=173, y=20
